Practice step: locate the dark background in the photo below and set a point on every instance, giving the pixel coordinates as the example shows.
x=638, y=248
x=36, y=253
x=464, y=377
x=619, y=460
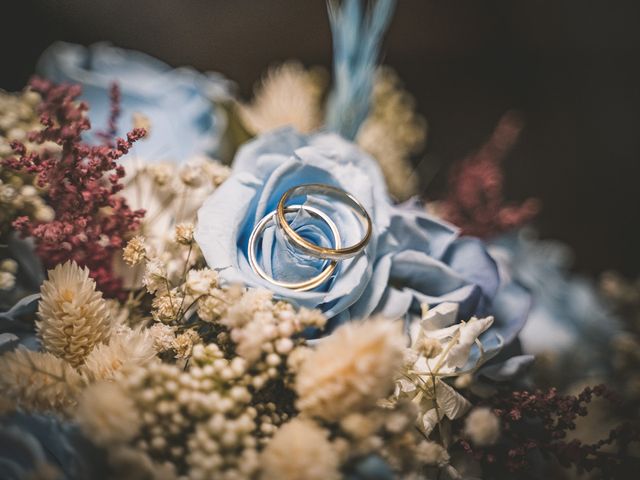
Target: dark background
x=571, y=67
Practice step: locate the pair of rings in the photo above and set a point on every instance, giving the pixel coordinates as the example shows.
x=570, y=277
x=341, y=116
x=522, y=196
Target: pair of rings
x=332, y=255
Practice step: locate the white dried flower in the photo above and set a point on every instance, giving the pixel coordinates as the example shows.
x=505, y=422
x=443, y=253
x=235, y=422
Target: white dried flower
x=9, y=265
x=183, y=343
x=161, y=173
x=191, y=173
x=431, y=453
x=288, y=95
x=243, y=311
x=140, y=120
x=201, y=282
x=217, y=172
x=135, y=251
x=212, y=306
x=482, y=426
x=155, y=276
x=184, y=233
x=300, y=450
x=7, y=280
x=393, y=132
x=163, y=336
x=123, y=353
x=73, y=315
x=38, y=381
x=166, y=307
x=107, y=415
x=351, y=369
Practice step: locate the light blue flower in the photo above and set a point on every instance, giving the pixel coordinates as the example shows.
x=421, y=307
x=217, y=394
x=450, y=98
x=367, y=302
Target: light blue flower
x=178, y=102
x=412, y=257
x=568, y=316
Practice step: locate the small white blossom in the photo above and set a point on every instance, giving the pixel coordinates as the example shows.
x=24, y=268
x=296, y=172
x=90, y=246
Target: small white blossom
x=482, y=426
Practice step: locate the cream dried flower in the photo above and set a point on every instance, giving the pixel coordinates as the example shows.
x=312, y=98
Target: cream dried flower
x=183, y=343
x=482, y=426
x=201, y=282
x=135, y=251
x=163, y=336
x=166, y=307
x=155, y=276
x=107, y=415
x=300, y=450
x=123, y=353
x=431, y=453
x=184, y=233
x=38, y=381
x=393, y=132
x=351, y=369
x=74, y=317
x=288, y=95
x=7, y=280
x=9, y=265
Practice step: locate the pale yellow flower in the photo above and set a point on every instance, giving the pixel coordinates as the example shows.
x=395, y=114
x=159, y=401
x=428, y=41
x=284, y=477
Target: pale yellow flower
x=288, y=95
x=38, y=381
x=123, y=353
x=107, y=415
x=73, y=315
x=300, y=450
x=135, y=251
x=351, y=369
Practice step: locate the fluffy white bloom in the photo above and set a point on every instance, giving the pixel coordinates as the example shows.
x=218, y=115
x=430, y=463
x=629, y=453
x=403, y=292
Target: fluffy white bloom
x=135, y=251
x=73, y=315
x=7, y=280
x=393, y=132
x=300, y=450
x=155, y=276
x=183, y=343
x=38, y=381
x=482, y=426
x=243, y=311
x=184, y=233
x=123, y=353
x=107, y=415
x=288, y=95
x=439, y=347
x=201, y=282
x=9, y=265
x=351, y=369
x=431, y=453
x=163, y=336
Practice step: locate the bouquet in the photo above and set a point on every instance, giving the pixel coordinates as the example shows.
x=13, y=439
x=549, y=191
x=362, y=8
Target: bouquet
x=197, y=286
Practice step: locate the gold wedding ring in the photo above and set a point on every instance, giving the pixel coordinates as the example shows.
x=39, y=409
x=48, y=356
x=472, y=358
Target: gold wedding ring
x=311, y=249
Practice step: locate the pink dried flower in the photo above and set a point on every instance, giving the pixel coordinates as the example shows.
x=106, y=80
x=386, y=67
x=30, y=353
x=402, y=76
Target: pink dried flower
x=82, y=181
x=475, y=200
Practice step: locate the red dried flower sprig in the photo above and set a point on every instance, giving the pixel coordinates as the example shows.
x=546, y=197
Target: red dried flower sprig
x=539, y=421
x=109, y=135
x=91, y=221
x=475, y=200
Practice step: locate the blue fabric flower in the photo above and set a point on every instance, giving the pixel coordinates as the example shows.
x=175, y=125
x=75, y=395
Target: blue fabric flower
x=412, y=257
x=568, y=315
x=178, y=102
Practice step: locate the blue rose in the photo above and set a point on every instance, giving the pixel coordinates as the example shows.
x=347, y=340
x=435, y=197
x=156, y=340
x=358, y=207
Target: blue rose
x=411, y=258
x=178, y=102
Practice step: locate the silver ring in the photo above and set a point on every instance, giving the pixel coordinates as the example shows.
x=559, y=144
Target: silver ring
x=297, y=286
